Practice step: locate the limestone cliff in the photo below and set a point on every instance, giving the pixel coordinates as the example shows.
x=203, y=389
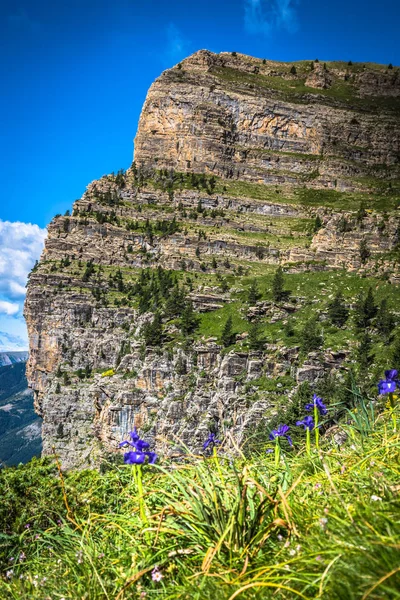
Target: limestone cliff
x=240, y=165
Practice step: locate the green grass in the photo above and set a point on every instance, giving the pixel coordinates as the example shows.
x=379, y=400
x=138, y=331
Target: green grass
x=312, y=526
x=316, y=289
x=295, y=89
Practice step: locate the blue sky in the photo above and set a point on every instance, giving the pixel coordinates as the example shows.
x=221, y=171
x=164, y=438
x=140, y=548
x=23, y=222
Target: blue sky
x=75, y=74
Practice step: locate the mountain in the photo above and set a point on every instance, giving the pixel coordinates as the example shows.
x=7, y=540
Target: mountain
x=232, y=268
x=20, y=428
x=10, y=358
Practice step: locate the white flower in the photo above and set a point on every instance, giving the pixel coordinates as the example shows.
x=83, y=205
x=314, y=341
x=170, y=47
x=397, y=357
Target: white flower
x=9, y=574
x=323, y=522
x=376, y=498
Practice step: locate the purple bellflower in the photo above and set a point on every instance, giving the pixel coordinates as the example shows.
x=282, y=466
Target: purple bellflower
x=140, y=451
x=390, y=383
x=211, y=440
x=281, y=431
x=307, y=423
x=317, y=401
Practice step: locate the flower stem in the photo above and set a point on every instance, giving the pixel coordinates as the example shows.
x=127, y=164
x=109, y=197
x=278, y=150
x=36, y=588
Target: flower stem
x=392, y=413
x=308, y=441
x=316, y=426
x=142, y=510
x=277, y=452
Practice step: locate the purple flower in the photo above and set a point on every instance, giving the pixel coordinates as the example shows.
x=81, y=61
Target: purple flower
x=317, y=401
x=212, y=439
x=307, y=423
x=389, y=384
x=138, y=455
x=134, y=437
x=134, y=458
x=281, y=431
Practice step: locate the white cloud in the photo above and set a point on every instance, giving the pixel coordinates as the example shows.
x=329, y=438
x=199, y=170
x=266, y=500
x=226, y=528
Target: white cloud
x=265, y=16
x=20, y=246
x=13, y=341
x=8, y=308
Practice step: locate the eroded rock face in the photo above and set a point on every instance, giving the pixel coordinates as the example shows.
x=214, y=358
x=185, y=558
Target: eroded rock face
x=284, y=148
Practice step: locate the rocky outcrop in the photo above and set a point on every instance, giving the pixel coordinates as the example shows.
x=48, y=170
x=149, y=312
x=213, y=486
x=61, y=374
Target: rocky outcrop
x=240, y=165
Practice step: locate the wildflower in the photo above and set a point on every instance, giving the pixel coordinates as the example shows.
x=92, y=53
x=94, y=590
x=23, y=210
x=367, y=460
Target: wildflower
x=156, y=575
x=317, y=402
x=22, y=556
x=319, y=558
x=138, y=455
x=28, y=526
x=9, y=573
x=390, y=383
x=292, y=552
x=11, y=559
x=211, y=440
x=281, y=431
x=342, y=469
x=323, y=522
x=317, y=486
x=307, y=422
x=376, y=498
x=269, y=451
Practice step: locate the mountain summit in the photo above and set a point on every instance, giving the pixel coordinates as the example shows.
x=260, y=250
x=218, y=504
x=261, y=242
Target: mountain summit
x=230, y=266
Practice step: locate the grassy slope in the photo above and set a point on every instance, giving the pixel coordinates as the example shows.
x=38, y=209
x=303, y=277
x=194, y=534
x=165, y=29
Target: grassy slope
x=320, y=526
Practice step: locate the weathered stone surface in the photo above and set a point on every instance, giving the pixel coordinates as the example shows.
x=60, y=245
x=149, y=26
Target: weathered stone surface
x=244, y=121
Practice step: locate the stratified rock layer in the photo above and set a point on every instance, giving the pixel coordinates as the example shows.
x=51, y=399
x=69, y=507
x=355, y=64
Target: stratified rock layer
x=278, y=148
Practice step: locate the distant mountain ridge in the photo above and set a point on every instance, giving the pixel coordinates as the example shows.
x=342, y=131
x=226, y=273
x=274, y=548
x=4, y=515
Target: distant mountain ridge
x=20, y=428
x=10, y=358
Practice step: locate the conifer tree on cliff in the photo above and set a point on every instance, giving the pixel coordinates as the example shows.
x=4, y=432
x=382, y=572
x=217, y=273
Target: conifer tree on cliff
x=337, y=310
x=227, y=336
x=278, y=293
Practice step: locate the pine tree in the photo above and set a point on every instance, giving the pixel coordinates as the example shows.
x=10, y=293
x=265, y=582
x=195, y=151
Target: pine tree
x=58, y=388
x=365, y=310
x=311, y=338
x=396, y=353
x=181, y=366
x=189, y=319
x=317, y=223
x=152, y=331
x=227, y=336
x=364, y=357
x=254, y=294
x=337, y=311
x=384, y=320
x=278, y=293
x=370, y=308
x=255, y=341
x=175, y=302
x=364, y=251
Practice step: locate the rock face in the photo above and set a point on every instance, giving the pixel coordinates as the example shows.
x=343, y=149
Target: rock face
x=240, y=165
